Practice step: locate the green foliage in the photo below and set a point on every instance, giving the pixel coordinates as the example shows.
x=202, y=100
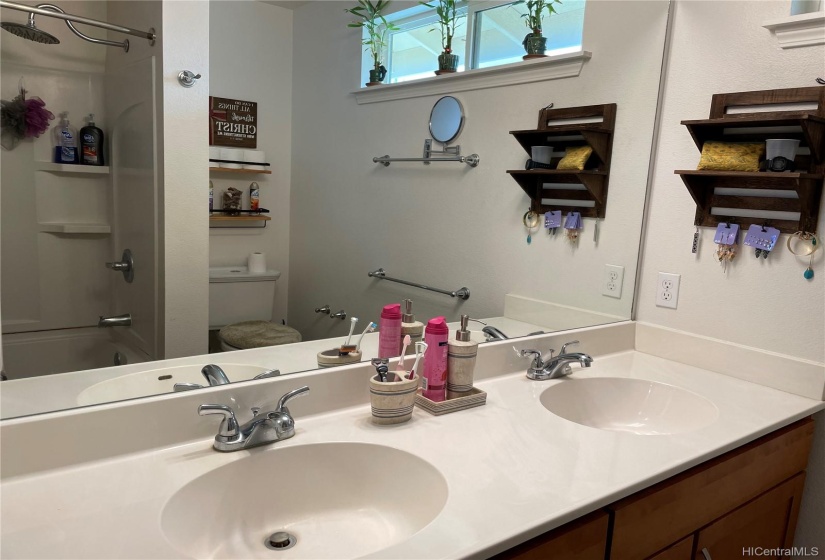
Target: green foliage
x=370, y=17
x=535, y=13
x=448, y=20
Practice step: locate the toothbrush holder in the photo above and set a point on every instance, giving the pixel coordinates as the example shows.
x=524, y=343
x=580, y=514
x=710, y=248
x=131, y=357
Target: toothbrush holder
x=332, y=358
x=392, y=402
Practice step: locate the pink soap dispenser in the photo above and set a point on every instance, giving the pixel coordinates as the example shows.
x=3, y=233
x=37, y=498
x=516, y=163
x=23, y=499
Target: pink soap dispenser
x=436, y=336
x=389, y=331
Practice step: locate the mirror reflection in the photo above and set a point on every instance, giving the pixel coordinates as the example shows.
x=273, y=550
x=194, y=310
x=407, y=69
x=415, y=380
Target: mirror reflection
x=75, y=333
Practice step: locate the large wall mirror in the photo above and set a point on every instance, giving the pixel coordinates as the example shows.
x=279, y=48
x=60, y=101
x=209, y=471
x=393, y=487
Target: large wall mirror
x=335, y=215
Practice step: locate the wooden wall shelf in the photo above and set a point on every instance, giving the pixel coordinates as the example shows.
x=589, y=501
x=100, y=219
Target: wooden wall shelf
x=240, y=171
x=806, y=126
x=224, y=221
x=555, y=128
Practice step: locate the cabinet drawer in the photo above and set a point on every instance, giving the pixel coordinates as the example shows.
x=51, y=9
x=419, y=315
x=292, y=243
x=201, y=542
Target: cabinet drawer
x=682, y=550
x=652, y=519
x=768, y=522
x=583, y=539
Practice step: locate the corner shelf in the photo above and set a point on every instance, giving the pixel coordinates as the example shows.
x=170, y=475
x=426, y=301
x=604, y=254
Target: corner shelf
x=563, y=128
x=74, y=228
x=806, y=126
x=71, y=168
x=240, y=171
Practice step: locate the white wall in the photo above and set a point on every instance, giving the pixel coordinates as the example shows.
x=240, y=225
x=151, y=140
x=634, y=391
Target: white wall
x=250, y=58
x=448, y=225
x=722, y=47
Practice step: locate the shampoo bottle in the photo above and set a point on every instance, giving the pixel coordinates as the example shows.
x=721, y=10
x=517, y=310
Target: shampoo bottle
x=436, y=336
x=91, y=143
x=409, y=326
x=461, y=362
x=65, y=141
x=389, y=331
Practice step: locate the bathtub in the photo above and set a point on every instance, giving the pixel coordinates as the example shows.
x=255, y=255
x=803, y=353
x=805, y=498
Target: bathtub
x=58, y=351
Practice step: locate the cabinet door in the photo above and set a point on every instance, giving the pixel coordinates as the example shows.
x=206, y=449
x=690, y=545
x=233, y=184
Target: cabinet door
x=767, y=522
x=583, y=539
x=682, y=550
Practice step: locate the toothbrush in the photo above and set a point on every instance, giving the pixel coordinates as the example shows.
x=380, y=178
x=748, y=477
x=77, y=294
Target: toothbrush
x=346, y=348
x=407, y=341
x=420, y=348
x=370, y=328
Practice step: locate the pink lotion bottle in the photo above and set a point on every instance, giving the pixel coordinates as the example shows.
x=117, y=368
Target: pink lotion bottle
x=389, y=331
x=436, y=336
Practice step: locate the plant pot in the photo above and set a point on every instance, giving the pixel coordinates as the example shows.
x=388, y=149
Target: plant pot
x=534, y=46
x=447, y=63
x=377, y=76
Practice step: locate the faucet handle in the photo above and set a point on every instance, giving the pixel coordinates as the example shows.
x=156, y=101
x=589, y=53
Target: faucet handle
x=178, y=387
x=566, y=344
x=268, y=373
x=229, y=424
x=528, y=352
x=289, y=396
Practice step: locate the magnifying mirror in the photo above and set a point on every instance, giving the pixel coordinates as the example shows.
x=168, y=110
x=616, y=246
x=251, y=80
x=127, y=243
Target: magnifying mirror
x=446, y=119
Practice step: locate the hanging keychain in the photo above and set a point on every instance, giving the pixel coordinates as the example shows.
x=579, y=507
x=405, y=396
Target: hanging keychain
x=530, y=221
x=552, y=221
x=596, y=231
x=695, y=248
x=726, y=237
x=814, y=243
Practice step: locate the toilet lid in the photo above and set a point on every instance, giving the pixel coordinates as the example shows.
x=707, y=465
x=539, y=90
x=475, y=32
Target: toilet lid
x=257, y=334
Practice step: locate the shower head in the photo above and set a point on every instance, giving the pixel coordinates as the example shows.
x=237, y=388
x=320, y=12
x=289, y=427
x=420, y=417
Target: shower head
x=30, y=32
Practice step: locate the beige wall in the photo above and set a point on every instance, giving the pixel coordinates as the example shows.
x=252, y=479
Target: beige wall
x=447, y=225
x=250, y=58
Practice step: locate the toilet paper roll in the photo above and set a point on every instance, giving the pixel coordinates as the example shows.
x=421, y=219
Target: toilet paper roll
x=257, y=263
x=235, y=155
x=214, y=153
x=255, y=156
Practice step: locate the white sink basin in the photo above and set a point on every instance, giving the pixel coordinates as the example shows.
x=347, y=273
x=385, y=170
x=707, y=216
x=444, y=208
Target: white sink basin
x=340, y=500
x=629, y=405
x=158, y=381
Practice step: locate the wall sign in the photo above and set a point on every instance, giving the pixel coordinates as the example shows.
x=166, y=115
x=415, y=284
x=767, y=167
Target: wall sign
x=233, y=123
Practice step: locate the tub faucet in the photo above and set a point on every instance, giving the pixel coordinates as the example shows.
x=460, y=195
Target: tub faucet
x=215, y=375
x=492, y=333
x=124, y=320
x=265, y=427
x=554, y=367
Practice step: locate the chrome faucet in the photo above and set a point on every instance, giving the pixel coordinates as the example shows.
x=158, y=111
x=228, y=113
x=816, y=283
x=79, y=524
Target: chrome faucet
x=554, y=367
x=265, y=427
x=124, y=320
x=492, y=333
x=216, y=376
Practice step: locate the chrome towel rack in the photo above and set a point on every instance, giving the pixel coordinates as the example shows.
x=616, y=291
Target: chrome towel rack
x=451, y=154
x=381, y=274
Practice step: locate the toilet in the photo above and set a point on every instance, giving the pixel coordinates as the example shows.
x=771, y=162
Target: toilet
x=240, y=306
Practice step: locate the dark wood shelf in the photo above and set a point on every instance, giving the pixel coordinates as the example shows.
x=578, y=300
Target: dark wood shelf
x=226, y=221
x=240, y=171
x=597, y=135
x=809, y=128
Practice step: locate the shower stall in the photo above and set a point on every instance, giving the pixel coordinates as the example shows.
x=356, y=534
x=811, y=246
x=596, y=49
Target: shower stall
x=61, y=224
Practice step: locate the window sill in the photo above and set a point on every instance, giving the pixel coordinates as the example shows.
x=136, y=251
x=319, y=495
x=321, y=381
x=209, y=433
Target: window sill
x=536, y=70
x=803, y=30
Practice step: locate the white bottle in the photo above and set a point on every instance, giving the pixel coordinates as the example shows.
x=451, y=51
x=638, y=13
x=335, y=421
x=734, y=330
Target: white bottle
x=65, y=142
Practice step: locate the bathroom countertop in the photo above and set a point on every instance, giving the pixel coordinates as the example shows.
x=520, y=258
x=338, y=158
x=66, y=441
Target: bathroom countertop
x=36, y=395
x=513, y=469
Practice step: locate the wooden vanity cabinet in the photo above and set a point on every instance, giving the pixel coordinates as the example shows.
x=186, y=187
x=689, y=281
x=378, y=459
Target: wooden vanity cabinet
x=748, y=497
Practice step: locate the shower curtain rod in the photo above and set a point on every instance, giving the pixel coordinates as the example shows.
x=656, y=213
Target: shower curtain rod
x=79, y=19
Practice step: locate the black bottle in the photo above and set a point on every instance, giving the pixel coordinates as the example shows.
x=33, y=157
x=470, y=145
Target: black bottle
x=91, y=144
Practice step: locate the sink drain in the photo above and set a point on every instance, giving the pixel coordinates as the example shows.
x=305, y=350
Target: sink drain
x=280, y=541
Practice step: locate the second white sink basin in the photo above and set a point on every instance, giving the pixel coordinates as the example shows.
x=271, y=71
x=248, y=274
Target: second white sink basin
x=339, y=500
x=629, y=405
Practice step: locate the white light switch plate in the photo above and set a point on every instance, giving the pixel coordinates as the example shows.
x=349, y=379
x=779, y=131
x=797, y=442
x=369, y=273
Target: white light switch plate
x=667, y=290
x=612, y=281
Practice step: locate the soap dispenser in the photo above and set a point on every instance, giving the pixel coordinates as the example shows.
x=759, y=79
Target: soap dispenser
x=65, y=141
x=409, y=326
x=461, y=361
x=91, y=143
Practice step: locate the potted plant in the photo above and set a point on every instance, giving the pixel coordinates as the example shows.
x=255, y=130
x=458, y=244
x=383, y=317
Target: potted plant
x=534, y=42
x=371, y=18
x=448, y=20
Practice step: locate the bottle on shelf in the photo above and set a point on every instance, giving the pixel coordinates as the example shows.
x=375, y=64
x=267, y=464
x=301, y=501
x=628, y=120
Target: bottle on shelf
x=91, y=143
x=65, y=141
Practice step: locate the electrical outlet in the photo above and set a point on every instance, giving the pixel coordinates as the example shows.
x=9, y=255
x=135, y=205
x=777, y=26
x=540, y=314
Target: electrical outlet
x=612, y=281
x=667, y=290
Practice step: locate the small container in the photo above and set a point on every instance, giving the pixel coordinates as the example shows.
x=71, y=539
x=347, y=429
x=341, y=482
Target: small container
x=91, y=143
x=392, y=402
x=389, y=331
x=333, y=357
x=461, y=362
x=254, y=196
x=785, y=148
x=409, y=326
x=542, y=154
x=436, y=335
x=65, y=142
